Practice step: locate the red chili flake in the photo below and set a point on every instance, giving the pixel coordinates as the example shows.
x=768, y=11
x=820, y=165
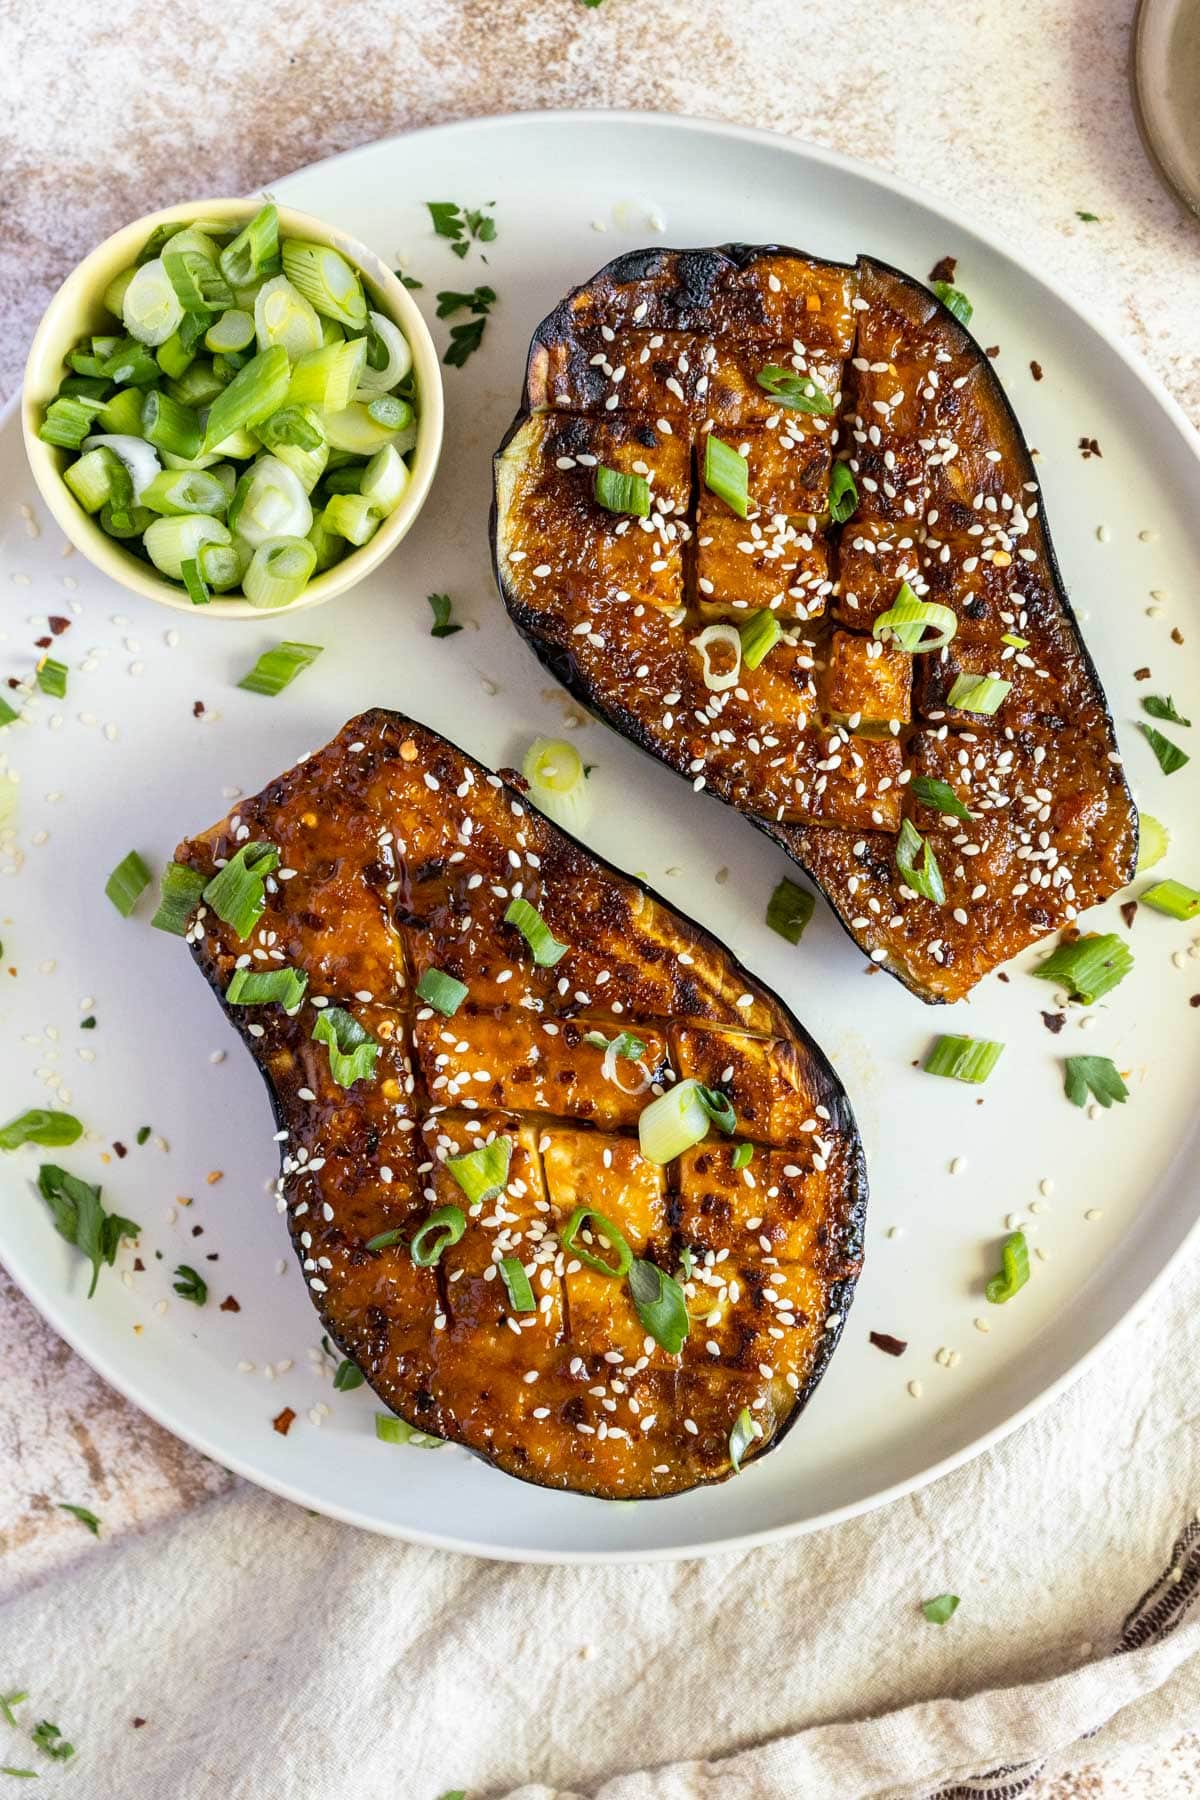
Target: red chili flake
x=197, y=1231
x=1129, y=913
x=1054, y=1022
x=283, y=1421
x=58, y=624
x=891, y=1346
x=944, y=270
x=1036, y=370
x=1176, y=636
x=1002, y=977
x=120, y=1149
x=1195, y=1000
x=1141, y=674
x=993, y=351
x=139, y=1267
x=1089, y=446
x=13, y=682
x=138, y=1723
x=43, y=643
x=197, y=709
x=229, y=1304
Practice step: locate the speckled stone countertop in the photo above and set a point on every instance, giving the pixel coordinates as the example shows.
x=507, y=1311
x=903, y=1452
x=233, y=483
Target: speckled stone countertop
x=1016, y=114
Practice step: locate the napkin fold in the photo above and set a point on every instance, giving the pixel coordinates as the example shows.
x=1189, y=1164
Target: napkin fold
x=276, y=1655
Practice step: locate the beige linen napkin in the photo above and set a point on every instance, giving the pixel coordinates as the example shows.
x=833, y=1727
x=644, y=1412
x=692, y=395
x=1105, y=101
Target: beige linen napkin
x=274, y=1655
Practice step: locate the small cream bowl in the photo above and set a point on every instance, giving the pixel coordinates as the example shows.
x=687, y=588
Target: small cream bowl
x=77, y=310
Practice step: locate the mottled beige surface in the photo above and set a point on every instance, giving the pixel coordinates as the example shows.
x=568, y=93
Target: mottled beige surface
x=1016, y=113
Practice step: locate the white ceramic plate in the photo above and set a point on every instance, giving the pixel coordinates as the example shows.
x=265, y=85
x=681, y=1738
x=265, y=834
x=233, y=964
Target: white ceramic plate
x=123, y=762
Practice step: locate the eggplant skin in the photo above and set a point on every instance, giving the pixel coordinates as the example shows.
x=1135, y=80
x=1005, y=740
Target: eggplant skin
x=399, y=854
x=818, y=745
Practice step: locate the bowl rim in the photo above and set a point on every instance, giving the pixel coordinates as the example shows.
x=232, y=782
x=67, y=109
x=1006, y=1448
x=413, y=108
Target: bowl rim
x=62, y=323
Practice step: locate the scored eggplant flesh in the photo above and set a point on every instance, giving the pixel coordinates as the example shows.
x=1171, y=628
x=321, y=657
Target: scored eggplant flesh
x=398, y=854
x=818, y=744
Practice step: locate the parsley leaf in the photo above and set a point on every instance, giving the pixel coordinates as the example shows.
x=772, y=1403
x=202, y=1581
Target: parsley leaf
x=939, y=1610
x=464, y=341
x=1097, y=1074
x=1161, y=706
x=82, y=1514
x=462, y=225
x=408, y=281
x=80, y=1218
x=190, y=1285
x=447, y=219
x=49, y=1738
x=1088, y=218
x=481, y=300
x=1170, y=756
x=442, y=625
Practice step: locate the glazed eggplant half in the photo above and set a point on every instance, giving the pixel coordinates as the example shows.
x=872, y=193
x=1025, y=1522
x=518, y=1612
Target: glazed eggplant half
x=774, y=519
x=568, y=1185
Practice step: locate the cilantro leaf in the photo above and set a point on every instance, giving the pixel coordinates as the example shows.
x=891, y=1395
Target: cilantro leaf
x=1097, y=1075
x=49, y=1738
x=1089, y=218
x=442, y=625
x=81, y=1513
x=1170, y=756
x=191, y=1286
x=80, y=1218
x=1161, y=706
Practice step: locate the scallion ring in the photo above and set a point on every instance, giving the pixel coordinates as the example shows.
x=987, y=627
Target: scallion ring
x=730, y=637
x=444, y=1226
x=600, y=1227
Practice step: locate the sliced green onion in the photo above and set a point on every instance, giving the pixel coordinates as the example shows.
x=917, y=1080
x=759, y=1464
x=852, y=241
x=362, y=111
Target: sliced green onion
x=719, y=1108
x=327, y=281
x=978, y=693
x=169, y=543
x=745, y=1431
x=353, y=429
x=520, y=1294
x=1089, y=967
x=256, y=391
x=482, y=1173
x=131, y=363
x=198, y=386
x=964, y=1058
x=283, y=316
x=137, y=455
x=234, y=330
x=267, y=987
x=150, y=307
x=351, y=517
x=789, y=910
x=906, y=619
x=127, y=882
x=716, y=681
x=954, y=300
x=114, y=293
x=799, y=393
x=279, y=667
x=1152, y=842
x=384, y=1240
x=603, y=1227
x=69, y=421
x=620, y=493
x=8, y=714
x=1097, y=1075
x=352, y=1049
x=384, y=480
x=307, y=466
x=296, y=426
x=53, y=1130
x=441, y=991
x=1173, y=898
x=843, y=494
x=384, y=338
x=544, y=947
x=624, y=1044
x=398, y=1431
x=178, y=897
x=328, y=546
x=328, y=378
x=926, y=881
x=177, y=491
x=343, y=478
x=759, y=635
x=126, y=522
x=444, y=1226
x=673, y=1122
x=122, y=415
x=1170, y=756
x=169, y=426
x=389, y=411
x=1015, y=1259
x=661, y=1305
x=558, y=783
x=223, y=565
x=237, y=893
x=1014, y=641
x=727, y=475
x=930, y=791
x=174, y=358
x=254, y=251
x=199, y=285
x=99, y=478
x=1161, y=706
x=269, y=502
x=279, y=572
x=743, y=1156
x=52, y=678
x=941, y=1609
